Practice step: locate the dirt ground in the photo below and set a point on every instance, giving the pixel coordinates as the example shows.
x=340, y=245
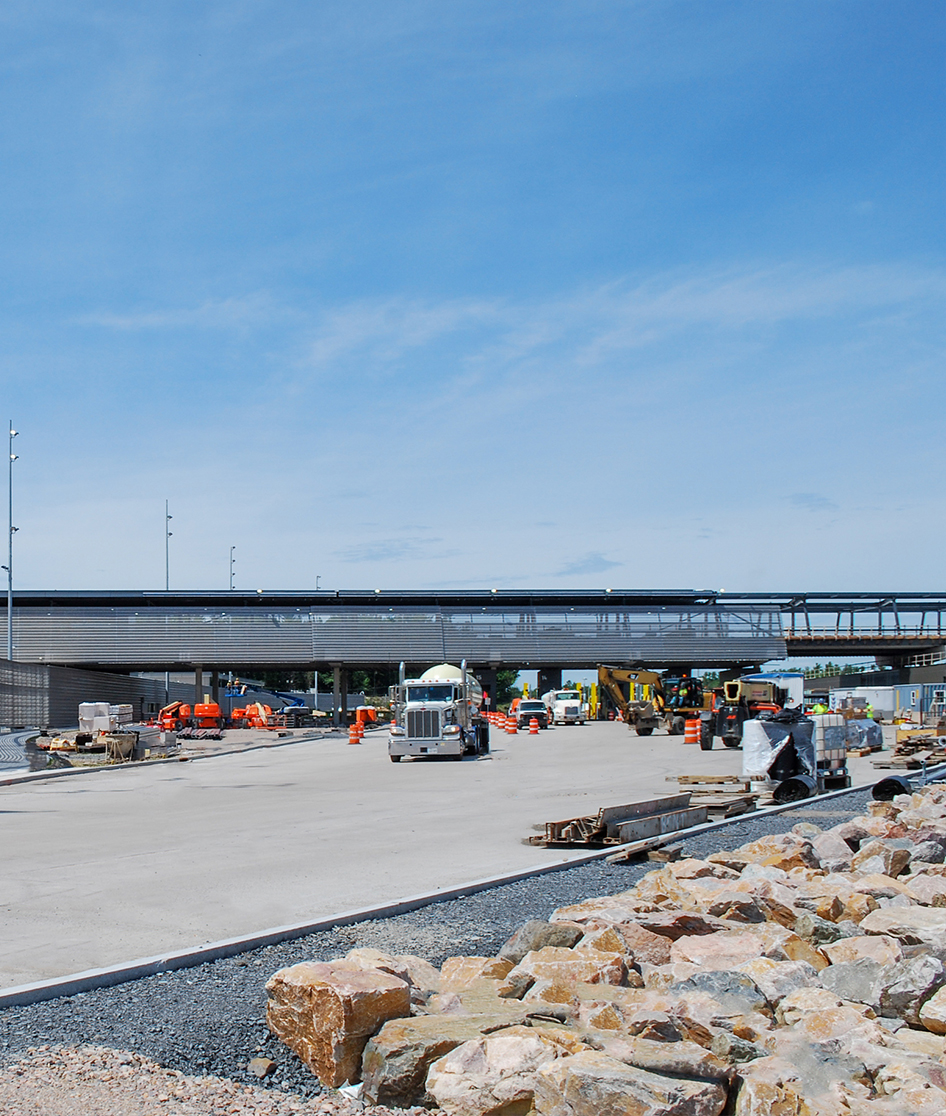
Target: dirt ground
x=98, y=1081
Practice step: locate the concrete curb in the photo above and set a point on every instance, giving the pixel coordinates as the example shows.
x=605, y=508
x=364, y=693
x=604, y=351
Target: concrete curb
x=90, y=979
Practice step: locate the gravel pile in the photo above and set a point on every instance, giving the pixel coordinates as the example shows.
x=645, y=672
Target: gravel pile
x=211, y=1019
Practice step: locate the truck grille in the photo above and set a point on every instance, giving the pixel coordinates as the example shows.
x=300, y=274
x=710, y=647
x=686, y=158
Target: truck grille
x=423, y=724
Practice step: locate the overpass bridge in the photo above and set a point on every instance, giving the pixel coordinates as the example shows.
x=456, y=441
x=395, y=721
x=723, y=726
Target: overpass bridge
x=126, y=631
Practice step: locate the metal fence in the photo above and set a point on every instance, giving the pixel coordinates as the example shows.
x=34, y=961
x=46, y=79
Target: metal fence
x=38, y=696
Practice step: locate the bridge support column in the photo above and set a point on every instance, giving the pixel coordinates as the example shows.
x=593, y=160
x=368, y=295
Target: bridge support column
x=487, y=677
x=336, y=694
x=215, y=686
x=549, y=679
x=198, y=683
x=344, y=696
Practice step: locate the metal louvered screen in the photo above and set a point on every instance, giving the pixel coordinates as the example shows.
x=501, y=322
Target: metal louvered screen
x=423, y=724
x=156, y=637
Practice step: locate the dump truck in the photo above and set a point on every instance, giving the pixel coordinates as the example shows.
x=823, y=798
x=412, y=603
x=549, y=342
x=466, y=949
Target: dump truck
x=668, y=700
x=437, y=714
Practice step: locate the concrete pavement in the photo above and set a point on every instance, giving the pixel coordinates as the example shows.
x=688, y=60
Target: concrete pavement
x=101, y=869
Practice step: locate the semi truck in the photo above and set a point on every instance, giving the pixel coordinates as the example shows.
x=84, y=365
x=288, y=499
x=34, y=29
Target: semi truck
x=565, y=707
x=437, y=714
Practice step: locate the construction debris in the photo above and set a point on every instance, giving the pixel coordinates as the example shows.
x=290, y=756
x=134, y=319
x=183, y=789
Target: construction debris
x=916, y=751
x=618, y=825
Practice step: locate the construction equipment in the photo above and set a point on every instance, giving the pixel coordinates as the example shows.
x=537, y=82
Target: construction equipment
x=666, y=700
x=752, y=696
x=175, y=716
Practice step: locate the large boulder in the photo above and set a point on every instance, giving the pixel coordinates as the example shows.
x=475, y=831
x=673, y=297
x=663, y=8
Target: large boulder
x=772, y=1086
x=886, y=857
x=554, y=963
x=494, y=1075
x=397, y=1058
x=927, y=889
x=904, y=987
x=909, y=925
x=326, y=1011
x=776, y=979
x=736, y=993
x=857, y=981
x=457, y=973
x=680, y=924
x=595, y=1084
x=536, y=934
x=643, y=944
x=833, y=851
x=678, y=1059
x=876, y=947
x=932, y=1014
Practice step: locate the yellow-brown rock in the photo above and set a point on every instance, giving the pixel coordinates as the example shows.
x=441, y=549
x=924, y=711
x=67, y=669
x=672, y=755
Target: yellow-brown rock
x=326, y=1011
x=495, y=1074
x=877, y=947
x=772, y=1087
x=553, y=963
x=457, y=973
x=592, y=1084
x=933, y=1013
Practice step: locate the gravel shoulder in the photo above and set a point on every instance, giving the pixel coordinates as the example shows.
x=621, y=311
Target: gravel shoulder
x=209, y=1020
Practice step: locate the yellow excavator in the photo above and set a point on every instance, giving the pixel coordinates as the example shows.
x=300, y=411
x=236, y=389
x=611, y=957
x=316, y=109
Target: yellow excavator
x=670, y=701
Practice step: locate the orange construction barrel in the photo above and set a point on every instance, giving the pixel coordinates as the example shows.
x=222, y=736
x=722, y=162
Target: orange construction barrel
x=691, y=733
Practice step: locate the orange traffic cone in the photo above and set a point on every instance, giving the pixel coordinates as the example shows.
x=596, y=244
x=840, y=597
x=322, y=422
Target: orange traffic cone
x=511, y=727
x=353, y=737
x=360, y=728
x=533, y=727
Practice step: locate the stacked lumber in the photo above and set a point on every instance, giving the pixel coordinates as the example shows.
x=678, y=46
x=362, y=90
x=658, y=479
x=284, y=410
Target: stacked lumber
x=725, y=796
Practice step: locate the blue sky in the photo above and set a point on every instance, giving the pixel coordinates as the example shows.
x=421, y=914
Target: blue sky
x=411, y=294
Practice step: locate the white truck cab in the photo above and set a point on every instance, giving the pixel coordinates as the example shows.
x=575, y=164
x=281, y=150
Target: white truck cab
x=438, y=714
x=565, y=707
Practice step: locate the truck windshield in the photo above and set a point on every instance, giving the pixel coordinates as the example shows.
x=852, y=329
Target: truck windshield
x=429, y=693
x=567, y=695
x=536, y=705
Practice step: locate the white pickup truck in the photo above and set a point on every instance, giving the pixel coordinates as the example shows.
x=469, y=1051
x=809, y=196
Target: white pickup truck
x=565, y=707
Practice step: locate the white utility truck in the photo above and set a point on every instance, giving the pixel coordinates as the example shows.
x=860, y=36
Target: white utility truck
x=565, y=707
x=438, y=714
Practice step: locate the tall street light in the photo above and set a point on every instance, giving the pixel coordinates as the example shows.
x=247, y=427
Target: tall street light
x=12, y=532
x=167, y=546
x=167, y=584
x=232, y=560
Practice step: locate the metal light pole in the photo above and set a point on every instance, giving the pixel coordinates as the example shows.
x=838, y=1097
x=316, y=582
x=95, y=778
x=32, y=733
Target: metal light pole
x=167, y=547
x=167, y=585
x=232, y=560
x=12, y=531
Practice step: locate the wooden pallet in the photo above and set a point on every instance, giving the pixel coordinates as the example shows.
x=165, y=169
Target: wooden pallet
x=725, y=795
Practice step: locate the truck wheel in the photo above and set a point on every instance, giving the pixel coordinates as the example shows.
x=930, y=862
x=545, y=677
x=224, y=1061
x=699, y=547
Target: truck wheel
x=706, y=739
x=395, y=759
x=731, y=741
x=677, y=725
x=644, y=731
